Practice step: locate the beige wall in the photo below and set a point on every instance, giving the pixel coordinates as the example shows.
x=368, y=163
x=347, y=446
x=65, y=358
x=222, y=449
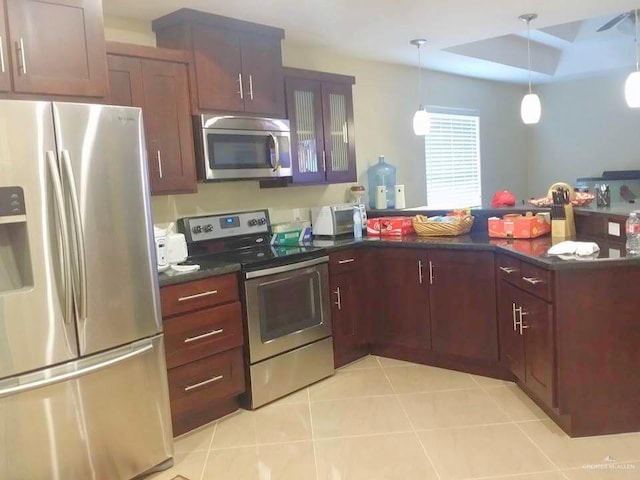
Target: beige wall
x=384, y=103
x=586, y=128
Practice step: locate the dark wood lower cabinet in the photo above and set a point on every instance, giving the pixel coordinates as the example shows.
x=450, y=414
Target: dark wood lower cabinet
x=511, y=341
x=350, y=339
x=462, y=300
x=400, y=295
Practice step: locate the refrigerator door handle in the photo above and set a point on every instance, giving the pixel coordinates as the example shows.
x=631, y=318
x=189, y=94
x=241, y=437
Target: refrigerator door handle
x=63, y=230
x=45, y=380
x=81, y=259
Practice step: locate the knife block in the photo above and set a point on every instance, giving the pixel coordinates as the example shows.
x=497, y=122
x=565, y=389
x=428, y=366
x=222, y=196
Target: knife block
x=564, y=228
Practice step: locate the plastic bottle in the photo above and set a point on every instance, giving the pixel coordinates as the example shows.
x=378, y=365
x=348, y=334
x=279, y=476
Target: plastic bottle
x=382, y=174
x=633, y=234
x=357, y=223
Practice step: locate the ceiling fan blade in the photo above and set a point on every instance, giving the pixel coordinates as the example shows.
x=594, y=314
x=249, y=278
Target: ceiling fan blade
x=613, y=22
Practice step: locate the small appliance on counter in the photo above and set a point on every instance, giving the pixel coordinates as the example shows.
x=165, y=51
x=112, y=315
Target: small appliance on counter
x=171, y=247
x=382, y=181
x=335, y=220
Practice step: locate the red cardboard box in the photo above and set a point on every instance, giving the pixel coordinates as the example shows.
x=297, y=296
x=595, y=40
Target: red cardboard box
x=519, y=226
x=390, y=226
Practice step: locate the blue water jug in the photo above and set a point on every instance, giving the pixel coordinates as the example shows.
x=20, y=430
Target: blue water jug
x=382, y=174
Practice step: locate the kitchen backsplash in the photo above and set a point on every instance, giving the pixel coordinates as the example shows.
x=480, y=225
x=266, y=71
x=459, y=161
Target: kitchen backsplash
x=284, y=204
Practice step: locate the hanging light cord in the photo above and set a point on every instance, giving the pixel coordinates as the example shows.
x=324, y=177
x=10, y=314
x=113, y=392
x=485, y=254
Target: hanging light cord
x=637, y=55
x=419, y=77
x=529, y=53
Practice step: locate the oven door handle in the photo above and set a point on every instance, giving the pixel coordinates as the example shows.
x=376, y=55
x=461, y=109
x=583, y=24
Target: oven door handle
x=287, y=268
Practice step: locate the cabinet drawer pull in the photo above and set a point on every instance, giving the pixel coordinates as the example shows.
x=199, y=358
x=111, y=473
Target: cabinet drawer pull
x=202, y=384
x=420, y=276
x=241, y=91
x=204, y=335
x=508, y=270
x=197, y=295
x=20, y=48
x=251, y=87
x=532, y=280
x=347, y=260
x=431, y=276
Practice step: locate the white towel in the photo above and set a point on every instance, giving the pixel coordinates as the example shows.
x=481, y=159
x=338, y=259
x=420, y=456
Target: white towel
x=581, y=249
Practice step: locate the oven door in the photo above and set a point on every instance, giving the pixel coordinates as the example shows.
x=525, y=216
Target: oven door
x=240, y=154
x=287, y=307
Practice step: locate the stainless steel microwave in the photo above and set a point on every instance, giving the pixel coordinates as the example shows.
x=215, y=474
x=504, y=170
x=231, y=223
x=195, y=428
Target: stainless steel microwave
x=242, y=148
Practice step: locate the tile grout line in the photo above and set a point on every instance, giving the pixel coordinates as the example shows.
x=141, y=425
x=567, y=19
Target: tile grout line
x=415, y=433
x=206, y=458
x=313, y=437
x=522, y=430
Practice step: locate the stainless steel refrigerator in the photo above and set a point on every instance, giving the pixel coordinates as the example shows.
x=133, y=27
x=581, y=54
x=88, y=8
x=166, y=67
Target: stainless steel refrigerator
x=83, y=384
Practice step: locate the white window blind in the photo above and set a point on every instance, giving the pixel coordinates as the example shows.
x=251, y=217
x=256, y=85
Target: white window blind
x=452, y=154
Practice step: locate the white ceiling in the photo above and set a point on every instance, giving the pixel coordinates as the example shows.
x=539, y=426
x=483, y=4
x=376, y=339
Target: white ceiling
x=381, y=30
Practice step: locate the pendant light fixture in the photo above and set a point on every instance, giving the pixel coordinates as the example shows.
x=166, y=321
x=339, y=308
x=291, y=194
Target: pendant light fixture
x=530, y=108
x=632, y=85
x=421, y=120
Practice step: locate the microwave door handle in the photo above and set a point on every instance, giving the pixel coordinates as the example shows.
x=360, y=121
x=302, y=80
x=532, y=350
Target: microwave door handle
x=276, y=153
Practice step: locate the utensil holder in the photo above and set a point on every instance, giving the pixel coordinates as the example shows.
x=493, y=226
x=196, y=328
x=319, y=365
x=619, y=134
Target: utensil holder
x=565, y=228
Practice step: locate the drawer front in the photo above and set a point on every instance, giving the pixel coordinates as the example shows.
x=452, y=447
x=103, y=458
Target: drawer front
x=195, y=385
x=203, y=333
x=187, y=297
x=537, y=281
x=344, y=261
x=509, y=269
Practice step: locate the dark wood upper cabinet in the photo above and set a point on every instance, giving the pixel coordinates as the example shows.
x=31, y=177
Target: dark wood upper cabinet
x=218, y=66
x=237, y=64
x=462, y=298
x=320, y=109
x=5, y=68
x=402, y=322
x=157, y=81
x=57, y=47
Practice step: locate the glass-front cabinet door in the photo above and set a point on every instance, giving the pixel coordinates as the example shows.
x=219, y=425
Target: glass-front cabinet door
x=304, y=103
x=320, y=111
x=337, y=111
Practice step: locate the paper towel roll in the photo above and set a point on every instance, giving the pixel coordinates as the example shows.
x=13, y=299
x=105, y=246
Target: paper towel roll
x=400, y=200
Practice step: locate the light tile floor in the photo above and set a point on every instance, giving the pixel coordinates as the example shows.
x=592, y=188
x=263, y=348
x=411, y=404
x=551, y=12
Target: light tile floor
x=383, y=419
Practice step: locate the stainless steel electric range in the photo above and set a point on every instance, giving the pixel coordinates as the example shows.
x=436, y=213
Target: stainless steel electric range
x=285, y=295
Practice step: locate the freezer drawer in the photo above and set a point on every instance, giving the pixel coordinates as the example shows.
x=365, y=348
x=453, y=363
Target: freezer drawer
x=108, y=420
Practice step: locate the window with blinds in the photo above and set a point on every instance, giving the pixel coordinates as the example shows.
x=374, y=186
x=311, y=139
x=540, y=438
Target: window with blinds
x=452, y=154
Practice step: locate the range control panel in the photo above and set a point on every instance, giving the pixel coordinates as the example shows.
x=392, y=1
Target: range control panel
x=11, y=201
x=214, y=227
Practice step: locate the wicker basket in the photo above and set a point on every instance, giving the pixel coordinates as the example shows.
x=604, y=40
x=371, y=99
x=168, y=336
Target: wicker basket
x=426, y=228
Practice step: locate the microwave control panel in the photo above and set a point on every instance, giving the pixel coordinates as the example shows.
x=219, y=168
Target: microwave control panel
x=215, y=227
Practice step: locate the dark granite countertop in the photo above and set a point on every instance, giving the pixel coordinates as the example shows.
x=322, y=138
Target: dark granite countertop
x=533, y=251
x=172, y=278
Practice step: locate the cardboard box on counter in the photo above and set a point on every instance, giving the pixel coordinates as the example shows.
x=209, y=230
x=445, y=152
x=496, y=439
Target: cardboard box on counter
x=520, y=226
x=390, y=226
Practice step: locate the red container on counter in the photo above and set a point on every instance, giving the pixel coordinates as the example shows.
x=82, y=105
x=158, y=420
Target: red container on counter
x=519, y=226
x=390, y=226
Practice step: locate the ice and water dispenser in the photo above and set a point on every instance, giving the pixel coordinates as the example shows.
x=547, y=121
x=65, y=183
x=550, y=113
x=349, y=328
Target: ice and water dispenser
x=15, y=260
